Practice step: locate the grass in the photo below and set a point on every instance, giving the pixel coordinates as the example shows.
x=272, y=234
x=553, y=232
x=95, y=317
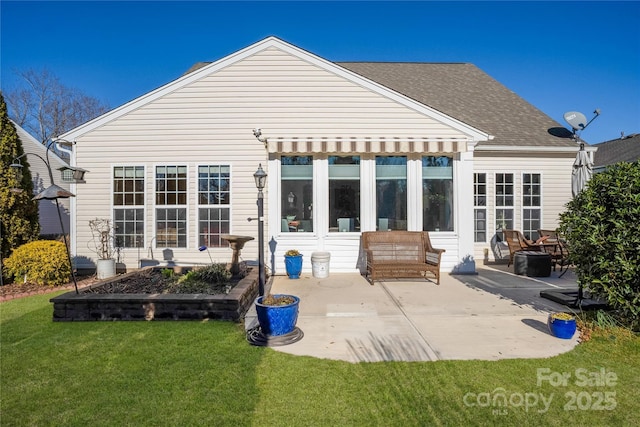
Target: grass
x=205, y=373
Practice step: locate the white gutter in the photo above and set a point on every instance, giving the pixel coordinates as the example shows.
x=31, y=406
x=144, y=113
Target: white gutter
x=532, y=148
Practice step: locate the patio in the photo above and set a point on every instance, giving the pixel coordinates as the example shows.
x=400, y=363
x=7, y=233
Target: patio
x=489, y=316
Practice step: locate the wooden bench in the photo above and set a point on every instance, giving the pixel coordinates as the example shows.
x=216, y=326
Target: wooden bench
x=400, y=254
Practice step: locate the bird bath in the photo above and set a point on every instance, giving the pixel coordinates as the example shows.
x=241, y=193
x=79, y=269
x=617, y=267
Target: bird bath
x=236, y=243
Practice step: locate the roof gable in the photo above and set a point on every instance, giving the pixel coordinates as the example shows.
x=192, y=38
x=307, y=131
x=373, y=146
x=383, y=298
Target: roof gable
x=201, y=71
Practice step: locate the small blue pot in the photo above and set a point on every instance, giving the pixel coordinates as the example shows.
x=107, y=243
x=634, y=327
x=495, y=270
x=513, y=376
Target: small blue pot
x=561, y=328
x=293, y=264
x=277, y=319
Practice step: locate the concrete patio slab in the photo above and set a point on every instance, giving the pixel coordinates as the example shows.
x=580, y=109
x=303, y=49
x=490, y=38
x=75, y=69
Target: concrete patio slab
x=489, y=316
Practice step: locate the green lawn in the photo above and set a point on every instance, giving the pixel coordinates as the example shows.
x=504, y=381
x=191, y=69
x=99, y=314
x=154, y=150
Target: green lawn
x=204, y=373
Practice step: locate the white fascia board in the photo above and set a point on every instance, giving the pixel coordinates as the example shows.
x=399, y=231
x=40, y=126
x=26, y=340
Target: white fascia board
x=531, y=148
x=473, y=133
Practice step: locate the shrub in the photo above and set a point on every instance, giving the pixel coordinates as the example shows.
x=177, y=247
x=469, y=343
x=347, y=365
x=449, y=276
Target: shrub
x=213, y=273
x=211, y=279
x=601, y=225
x=43, y=262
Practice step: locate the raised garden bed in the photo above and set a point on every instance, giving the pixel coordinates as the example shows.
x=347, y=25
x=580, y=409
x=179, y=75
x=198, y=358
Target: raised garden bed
x=97, y=302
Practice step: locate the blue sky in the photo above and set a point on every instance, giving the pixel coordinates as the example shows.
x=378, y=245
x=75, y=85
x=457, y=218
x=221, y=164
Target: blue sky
x=559, y=56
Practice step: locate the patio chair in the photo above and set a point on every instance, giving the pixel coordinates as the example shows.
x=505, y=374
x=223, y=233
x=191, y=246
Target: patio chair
x=517, y=242
x=559, y=252
x=549, y=234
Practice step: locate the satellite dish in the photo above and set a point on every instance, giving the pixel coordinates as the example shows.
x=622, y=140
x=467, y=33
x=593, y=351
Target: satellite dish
x=577, y=120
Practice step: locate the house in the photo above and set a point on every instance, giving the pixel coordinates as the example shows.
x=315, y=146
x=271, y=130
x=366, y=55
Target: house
x=47, y=210
x=623, y=149
x=347, y=147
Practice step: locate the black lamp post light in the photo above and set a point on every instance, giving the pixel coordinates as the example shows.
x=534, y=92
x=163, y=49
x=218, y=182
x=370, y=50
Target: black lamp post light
x=261, y=180
x=53, y=192
x=279, y=316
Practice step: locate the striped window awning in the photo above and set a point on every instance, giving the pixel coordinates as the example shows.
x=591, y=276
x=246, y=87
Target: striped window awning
x=366, y=145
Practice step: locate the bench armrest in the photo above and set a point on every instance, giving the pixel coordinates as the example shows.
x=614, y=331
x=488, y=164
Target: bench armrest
x=433, y=256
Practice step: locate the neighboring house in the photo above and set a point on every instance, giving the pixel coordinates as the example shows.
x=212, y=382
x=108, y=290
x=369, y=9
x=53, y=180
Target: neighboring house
x=349, y=147
x=48, y=215
x=623, y=149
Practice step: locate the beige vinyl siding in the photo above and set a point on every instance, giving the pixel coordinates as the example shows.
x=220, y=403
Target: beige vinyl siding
x=283, y=95
x=555, y=170
x=47, y=213
x=210, y=121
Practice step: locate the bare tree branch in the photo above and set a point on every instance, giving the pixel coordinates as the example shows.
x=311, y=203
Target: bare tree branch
x=46, y=108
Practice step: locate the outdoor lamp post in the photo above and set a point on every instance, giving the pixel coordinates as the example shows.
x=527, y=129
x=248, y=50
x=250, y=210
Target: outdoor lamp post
x=261, y=180
x=53, y=192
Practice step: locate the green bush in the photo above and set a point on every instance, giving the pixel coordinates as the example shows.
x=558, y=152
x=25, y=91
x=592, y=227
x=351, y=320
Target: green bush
x=601, y=227
x=43, y=262
x=211, y=279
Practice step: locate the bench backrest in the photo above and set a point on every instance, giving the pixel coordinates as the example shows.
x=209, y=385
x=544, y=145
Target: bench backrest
x=407, y=246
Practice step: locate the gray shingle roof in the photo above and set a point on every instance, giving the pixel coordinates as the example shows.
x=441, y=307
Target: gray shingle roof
x=625, y=149
x=465, y=92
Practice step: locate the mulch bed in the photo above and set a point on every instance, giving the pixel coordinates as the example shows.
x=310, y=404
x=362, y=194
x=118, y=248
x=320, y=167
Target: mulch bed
x=144, y=282
x=153, y=281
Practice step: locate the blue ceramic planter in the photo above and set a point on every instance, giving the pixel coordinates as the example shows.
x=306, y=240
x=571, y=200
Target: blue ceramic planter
x=293, y=264
x=277, y=319
x=561, y=328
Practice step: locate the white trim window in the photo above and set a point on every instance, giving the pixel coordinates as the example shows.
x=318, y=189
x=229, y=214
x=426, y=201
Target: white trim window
x=171, y=206
x=296, y=189
x=344, y=193
x=391, y=192
x=128, y=206
x=437, y=193
x=531, y=204
x=480, y=207
x=214, y=202
x=505, y=200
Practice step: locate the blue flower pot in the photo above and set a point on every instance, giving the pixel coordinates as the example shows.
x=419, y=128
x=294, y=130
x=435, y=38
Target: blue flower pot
x=277, y=319
x=293, y=264
x=561, y=328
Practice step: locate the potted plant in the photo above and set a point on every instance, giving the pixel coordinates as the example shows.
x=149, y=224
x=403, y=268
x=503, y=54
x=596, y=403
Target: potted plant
x=562, y=325
x=101, y=229
x=293, y=263
x=277, y=314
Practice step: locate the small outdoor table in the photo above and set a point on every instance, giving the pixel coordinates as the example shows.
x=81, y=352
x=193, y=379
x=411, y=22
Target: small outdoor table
x=532, y=263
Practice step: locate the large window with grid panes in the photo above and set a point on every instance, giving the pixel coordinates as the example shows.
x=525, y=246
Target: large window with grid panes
x=296, y=188
x=128, y=206
x=171, y=206
x=344, y=193
x=214, y=201
x=437, y=193
x=479, y=207
x=531, y=204
x=391, y=192
x=505, y=202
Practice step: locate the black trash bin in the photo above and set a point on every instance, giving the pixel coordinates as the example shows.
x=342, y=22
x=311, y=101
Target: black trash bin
x=532, y=264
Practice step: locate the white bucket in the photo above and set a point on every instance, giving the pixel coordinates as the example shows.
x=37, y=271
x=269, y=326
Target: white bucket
x=320, y=264
x=105, y=268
